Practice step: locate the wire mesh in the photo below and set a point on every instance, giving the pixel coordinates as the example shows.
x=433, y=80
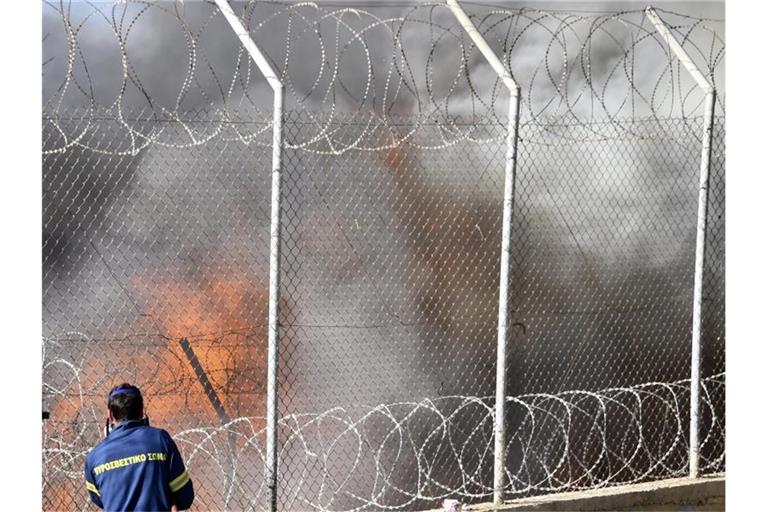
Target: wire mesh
x=391, y=270
x=140, y=252
x=713, y=314
x=156, y=234
x=603, y=244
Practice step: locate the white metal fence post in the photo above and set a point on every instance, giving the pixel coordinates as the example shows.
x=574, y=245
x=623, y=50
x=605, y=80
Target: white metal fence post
x=510, y=168
x=274, y=299
x=698, y=278
x=274, y=242
x=500, y=429
x=701, y=231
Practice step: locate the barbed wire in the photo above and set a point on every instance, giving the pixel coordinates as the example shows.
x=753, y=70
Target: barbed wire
x=415, y=62
x=130, y=87
x=565, y=441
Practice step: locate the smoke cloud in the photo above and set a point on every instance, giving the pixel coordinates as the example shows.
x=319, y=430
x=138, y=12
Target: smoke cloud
x=156, y=229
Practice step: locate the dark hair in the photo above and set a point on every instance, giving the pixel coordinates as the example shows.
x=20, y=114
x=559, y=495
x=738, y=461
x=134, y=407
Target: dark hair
x=125, y=402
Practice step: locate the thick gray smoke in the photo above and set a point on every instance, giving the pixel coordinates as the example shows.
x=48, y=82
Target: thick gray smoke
x=390, y=255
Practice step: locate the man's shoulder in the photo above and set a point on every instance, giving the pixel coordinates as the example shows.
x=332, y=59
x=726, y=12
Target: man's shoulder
x=102, y=452
x=139, y=434
x=155, y=434
x=93, y=453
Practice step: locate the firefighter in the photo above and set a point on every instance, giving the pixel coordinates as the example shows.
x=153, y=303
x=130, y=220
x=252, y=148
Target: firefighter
x=136, y=467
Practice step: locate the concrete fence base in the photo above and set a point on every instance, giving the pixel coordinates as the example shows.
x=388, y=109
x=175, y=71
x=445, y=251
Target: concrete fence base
x=706, y=493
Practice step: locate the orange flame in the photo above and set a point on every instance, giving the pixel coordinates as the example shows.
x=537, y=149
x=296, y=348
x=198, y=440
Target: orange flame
x=224, y=321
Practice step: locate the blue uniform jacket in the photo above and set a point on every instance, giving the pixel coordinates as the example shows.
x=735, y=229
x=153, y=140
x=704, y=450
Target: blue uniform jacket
x=137, y=467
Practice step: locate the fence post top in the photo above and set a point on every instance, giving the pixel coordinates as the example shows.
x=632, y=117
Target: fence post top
x=679, y=51
x=483, y=47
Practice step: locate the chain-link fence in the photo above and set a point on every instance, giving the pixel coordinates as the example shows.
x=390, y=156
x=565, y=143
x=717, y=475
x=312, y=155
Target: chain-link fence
x=156, y=262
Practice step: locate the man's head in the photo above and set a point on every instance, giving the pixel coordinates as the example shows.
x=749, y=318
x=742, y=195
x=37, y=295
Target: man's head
x=125, y=403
